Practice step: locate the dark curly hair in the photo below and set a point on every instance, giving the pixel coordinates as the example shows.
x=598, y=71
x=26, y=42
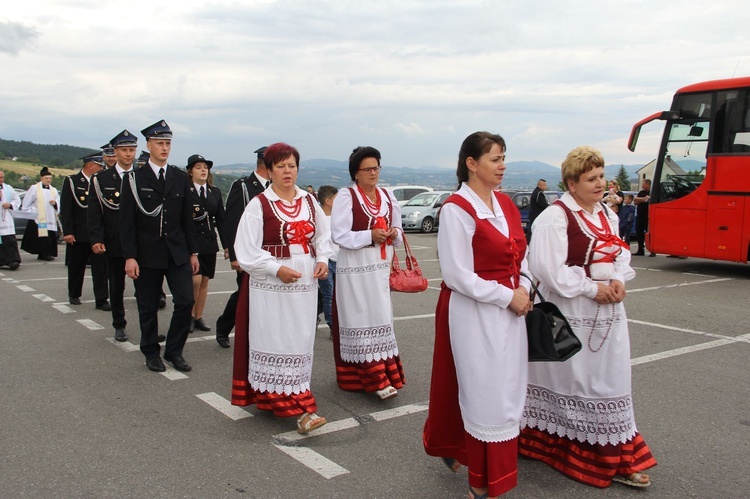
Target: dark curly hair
x=358, y=154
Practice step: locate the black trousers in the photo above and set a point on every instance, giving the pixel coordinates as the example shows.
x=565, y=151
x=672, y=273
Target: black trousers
x=147, y=292
x=9, y=250
x=116, y=267
x=641, y=227
x=77, y=255
x=225, y=322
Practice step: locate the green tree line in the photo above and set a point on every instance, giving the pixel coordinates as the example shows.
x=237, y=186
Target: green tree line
x=58, y=155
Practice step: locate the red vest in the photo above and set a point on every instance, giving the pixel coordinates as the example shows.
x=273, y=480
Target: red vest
x=275, y=229
x=361, y=219
x=496, y=257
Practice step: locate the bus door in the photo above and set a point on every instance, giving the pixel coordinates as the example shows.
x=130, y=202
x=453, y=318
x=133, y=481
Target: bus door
x=724, y=227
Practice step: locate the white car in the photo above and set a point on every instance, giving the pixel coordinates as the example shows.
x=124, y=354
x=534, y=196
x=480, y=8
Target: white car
x=403, y=193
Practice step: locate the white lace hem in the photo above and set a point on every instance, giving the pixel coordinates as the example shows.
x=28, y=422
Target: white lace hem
x=280, y=373
x=367, y=344
x=594, y=420
x=487, y=433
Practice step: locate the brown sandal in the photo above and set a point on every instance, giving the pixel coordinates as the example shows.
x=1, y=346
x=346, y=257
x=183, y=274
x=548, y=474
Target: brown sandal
x=633, y=480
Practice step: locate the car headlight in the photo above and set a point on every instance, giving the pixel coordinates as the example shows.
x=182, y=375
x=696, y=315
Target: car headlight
x=413, y=214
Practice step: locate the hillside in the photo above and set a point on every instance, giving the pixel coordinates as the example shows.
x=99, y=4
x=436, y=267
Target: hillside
x=57, y=155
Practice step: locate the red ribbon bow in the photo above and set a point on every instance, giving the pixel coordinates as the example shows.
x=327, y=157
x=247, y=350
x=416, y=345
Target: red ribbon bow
x=300, y=232
x=380, y=223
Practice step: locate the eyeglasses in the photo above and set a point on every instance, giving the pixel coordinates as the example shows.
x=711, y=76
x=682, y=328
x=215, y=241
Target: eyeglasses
x=371, y=169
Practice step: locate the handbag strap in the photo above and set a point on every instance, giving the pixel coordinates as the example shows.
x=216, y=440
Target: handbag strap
x=535, y=290
x=411, y=260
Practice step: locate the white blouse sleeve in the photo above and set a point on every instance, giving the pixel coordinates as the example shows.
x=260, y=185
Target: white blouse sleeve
x=396, y=222
x=248, y=245
x=29, y=200
x=341, y=223
x=456, y=262
x=548, y=252
x=623, y=271
x=322, y=240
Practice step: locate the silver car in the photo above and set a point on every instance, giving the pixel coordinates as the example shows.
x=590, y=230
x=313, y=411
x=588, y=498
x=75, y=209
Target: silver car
x=421, y=211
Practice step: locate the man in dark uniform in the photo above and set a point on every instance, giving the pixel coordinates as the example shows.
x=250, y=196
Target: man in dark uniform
x=103, y=225
x=108, y=153
x=641, y=216
x=157, y=241
x=74, y=202
x=241, y=192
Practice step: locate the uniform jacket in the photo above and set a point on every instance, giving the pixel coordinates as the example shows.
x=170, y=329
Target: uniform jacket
x=236, y=201
x=153, y=239
x=104, y=213
x=208, y=217
x=74, y=200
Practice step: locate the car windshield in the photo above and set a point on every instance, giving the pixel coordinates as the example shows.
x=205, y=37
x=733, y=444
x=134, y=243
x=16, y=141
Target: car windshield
x=424, y=199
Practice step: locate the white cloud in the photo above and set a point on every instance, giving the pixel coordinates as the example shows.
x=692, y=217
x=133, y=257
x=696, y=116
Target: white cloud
x=327, y=75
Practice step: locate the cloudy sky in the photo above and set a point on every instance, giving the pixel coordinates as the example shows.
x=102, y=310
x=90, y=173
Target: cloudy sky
x=411, y=78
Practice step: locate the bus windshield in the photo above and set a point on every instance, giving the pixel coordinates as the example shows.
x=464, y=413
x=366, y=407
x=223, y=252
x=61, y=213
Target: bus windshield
x=684, y=162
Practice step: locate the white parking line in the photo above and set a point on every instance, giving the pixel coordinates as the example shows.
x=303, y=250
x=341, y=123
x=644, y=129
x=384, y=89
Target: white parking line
x=88, y=323
x=224, y=406
x=173, y=374
x=44, y=298
x=124, y=345
x=26, y=289
x=319, y=464
x=708, y=281
x=680, y=351
x=61, y=307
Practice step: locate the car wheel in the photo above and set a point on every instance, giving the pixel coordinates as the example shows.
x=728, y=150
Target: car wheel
x=427, y=225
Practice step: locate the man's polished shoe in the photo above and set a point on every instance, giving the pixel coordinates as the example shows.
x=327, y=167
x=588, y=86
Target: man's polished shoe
x=120, y=334
x=155, y=364
x=14, y=265
x=191, y=328
x=75, y=301
x=639, y=253
x=201, y=326
x=104, y=306
x=162, y=302
x=161, y=338
x=46, y=258
x=178, y=363
x=223, y=341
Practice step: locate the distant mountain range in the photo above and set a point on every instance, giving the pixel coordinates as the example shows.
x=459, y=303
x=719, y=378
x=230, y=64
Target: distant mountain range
x=520, y=175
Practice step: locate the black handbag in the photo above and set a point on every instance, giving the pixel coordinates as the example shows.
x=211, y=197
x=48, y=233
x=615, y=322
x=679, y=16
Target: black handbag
x=551, y=339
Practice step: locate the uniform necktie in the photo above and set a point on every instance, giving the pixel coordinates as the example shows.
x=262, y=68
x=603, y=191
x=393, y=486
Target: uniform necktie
x=268, y=182
x=161, y=177
x=203, y=194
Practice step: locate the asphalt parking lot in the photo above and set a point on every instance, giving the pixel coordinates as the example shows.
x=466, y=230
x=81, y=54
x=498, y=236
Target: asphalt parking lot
x=83, y=417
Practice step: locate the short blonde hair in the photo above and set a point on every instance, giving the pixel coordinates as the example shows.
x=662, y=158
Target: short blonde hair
x=580, y=160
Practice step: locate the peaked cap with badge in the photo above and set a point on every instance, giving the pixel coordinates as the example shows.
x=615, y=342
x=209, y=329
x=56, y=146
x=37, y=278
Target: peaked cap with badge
x=159, y=130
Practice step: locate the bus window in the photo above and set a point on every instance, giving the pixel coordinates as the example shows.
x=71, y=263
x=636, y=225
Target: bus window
x=685, y=158
x=732, y=130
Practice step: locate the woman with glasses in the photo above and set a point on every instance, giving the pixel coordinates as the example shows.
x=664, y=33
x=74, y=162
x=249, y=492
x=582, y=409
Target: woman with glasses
x=283, y=244
x=365, y=223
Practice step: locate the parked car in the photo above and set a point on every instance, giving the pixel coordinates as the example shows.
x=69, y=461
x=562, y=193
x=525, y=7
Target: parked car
x=21, y=218
x=522, y=200
x=403, y=193
x=421, y=211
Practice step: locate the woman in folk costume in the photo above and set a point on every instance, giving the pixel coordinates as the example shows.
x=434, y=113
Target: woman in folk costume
x=579, y=413
x=365, y=223
x=40, y=237
x=283, y=245
x=479, y=367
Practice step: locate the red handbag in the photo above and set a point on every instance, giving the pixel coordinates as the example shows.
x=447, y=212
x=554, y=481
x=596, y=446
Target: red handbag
x=410, y=279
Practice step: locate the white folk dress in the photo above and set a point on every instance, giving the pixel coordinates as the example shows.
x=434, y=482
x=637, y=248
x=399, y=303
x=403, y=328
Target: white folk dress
x=282, y=318
x=488, y=340
x=363, y=294
x=8, y=195
x=588, y=397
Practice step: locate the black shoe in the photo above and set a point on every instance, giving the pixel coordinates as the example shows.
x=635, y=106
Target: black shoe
x=638, y=253
x=162, y=302
x=120, y=334
x=191, y=328
x=652, y=254
x=46, y=258
x=75, y=301
x=14, y=265
x=178, y=362
x=223, y=341
x=160, y=338
x=155, y=364
x=201, y=326
x=104, y=306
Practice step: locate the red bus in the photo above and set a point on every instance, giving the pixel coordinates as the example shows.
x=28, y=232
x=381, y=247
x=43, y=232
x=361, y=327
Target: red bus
x=705, y=214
